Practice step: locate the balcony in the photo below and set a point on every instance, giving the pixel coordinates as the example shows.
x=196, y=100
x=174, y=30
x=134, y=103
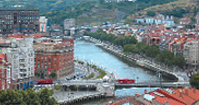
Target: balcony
x=22, y=70
x=22, y=60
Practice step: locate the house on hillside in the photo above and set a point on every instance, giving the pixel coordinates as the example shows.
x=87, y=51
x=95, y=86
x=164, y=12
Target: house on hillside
x=185, y=21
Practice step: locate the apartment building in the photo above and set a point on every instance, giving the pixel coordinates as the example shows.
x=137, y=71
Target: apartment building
x=56, y=30
x=157, y=20
x=20, y=55
x=54, y=56
x=191, y=53
x=18, y=20
x=5, y=73
x=69, y=27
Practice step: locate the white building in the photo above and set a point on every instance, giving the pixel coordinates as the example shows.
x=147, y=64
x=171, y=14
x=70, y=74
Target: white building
x=20, y=54
x=160, y=19
x=69, y=27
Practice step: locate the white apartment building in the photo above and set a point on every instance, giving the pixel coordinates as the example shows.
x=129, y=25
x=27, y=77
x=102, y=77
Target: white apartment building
x=20, y=54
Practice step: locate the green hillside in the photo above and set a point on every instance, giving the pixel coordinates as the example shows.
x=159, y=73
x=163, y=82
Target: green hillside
x=178, y=9
x=96, y=11
x=85, y=11
x=43, y=5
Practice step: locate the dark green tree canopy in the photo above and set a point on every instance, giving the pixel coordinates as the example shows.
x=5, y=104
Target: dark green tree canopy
x=194, y=81
x=29, y=97
x=151, y=13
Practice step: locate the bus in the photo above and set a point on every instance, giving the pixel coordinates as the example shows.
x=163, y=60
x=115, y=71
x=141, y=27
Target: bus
x=126, y=81
x=44, y=81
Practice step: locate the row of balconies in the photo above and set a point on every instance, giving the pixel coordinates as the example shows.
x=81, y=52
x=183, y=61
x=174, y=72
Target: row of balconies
x=52, y=51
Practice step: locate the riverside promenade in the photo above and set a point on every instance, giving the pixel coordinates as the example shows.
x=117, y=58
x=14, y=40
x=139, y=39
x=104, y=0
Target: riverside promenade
x=140, y=61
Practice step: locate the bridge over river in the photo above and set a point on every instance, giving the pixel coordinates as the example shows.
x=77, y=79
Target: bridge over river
x=91, y=89
x=96, y=83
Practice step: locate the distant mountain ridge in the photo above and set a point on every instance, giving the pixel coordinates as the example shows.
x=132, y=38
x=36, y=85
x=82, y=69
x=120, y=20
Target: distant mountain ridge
x=86, y=11
x=97, y=11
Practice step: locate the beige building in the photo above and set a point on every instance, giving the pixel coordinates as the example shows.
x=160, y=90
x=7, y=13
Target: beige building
x=191, y=53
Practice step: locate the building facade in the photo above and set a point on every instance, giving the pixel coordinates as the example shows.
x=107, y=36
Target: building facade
x=185, y=21
x=69, y=27
x=5, y=73
x=20, y=55
x=18, y=20
x=191, y=53
x=43, y=24
x=56, y=30
x=158, y=20
x=54, y=57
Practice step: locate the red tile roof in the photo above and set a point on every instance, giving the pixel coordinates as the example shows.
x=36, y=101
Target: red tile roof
x=165, y=99
x=189, y=96
x=22, y=35
x=186, y=96
x=2, y=56
x=130, y=99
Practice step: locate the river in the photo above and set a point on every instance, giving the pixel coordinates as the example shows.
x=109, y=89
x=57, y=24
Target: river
x=89, y=52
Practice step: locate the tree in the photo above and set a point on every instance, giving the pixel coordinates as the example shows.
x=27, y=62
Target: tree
x=29, y=97
x=194, y=81
x=58, y=87
x=11, y=97
x=141, y=46
x=53, y=74
x=131, y=48
x=130, y=44
x=152, y=51
x=45, y=98
x=166, y=57
x=101, y=1
x=76, y=87
x=179, y=61
x=151, y=13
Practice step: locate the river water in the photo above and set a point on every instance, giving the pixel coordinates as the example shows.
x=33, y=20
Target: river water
x=89, y=52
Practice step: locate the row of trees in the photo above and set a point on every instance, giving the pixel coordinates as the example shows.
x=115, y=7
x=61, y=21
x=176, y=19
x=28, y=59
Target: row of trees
x=153, y=51
x=131, y=45
x=120, y=41
x=29, y=97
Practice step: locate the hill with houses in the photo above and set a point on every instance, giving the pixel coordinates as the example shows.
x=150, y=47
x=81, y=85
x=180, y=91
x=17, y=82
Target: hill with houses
x=180, y=10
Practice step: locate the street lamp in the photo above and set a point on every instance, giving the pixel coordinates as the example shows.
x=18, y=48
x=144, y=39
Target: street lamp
x=160, y=77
